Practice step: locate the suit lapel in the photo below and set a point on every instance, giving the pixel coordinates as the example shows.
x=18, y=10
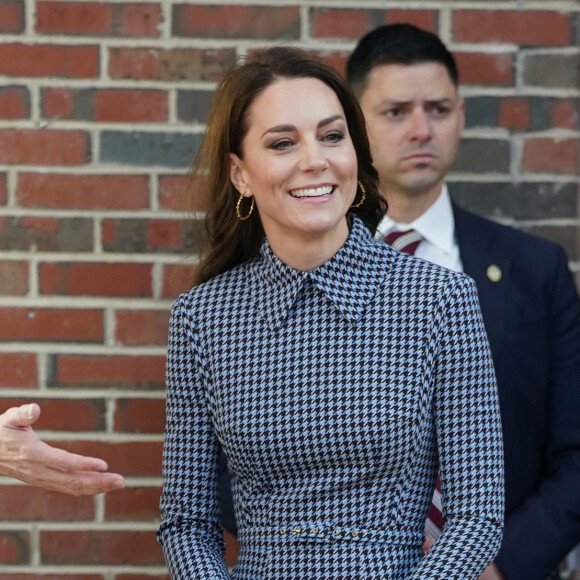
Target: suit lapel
x=484, y=262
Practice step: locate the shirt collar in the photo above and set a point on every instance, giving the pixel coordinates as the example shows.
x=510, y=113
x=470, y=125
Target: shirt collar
x=436, y=225
x=349, y=279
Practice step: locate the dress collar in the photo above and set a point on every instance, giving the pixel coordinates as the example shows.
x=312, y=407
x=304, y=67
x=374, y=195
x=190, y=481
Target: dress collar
x=349, y=279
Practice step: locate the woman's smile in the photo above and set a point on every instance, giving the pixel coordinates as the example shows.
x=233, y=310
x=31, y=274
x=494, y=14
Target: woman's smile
x=321, y=191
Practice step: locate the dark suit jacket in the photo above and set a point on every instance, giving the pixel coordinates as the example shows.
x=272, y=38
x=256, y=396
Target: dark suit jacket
x=532, y=316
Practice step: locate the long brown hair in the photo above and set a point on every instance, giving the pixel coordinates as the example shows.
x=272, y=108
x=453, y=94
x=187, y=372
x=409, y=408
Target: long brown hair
x=232, y=241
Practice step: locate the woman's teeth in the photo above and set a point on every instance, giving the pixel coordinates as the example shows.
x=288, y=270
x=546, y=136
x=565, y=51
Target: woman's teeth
x=312, y=191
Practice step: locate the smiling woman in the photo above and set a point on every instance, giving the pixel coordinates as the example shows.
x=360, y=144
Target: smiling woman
x=303, y=175
x=333, y=372
x=273, y=89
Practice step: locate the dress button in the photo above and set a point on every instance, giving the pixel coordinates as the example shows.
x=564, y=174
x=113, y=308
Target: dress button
x=283, y=531
x=315, y=530
x=336, y=532
x=354, y=534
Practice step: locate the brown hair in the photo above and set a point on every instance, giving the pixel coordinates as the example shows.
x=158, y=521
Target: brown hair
x=232, y=241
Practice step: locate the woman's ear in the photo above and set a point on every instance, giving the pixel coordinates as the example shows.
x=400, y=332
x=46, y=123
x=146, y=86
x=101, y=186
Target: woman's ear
x=237, y=175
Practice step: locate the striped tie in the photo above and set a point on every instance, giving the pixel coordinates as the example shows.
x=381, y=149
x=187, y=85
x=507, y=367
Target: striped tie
x=434, y=523
x=407, y=241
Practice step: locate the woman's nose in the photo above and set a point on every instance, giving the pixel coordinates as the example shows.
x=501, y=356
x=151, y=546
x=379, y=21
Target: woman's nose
x=312, y=158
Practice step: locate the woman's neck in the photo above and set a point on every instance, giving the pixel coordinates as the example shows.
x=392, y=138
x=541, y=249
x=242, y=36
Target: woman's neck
x=306, y=252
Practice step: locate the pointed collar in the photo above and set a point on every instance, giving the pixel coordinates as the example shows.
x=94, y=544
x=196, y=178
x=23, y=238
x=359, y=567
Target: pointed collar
x=349, y=279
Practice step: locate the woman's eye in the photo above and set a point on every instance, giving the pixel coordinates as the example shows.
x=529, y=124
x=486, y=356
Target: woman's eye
x=334, y=137
x=393, y=113
x=280, y=145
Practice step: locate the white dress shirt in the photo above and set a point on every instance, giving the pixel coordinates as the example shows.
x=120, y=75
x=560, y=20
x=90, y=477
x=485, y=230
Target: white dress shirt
x=437, y=227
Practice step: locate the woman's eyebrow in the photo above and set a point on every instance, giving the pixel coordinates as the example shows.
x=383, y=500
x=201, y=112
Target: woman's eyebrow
x=292, y=128
x=329, y=120
x=280, y=129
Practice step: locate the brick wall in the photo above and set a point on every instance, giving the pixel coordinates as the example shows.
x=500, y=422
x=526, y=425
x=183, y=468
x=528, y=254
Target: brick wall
x=101, y=107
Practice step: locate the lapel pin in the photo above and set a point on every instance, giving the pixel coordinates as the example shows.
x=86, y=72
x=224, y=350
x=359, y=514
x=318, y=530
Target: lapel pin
x=494, y=273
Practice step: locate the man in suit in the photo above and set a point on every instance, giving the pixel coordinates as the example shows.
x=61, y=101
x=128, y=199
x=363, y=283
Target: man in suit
x=407, y=84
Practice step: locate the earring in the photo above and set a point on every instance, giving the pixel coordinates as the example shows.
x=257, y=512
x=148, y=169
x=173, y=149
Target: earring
x=240, y=216
x=362, y=199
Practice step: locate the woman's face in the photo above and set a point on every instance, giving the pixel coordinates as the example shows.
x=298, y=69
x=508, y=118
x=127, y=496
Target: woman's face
x=299, y=163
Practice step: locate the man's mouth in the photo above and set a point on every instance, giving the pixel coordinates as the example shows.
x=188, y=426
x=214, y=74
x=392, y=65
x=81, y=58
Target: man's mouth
x=421, y=156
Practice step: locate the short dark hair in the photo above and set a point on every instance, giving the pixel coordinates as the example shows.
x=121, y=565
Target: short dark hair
x=232, y=241
x=396, y=44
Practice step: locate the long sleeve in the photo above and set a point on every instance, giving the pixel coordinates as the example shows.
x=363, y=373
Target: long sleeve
x=469, y=443
x=190, y=533
x=541, y=532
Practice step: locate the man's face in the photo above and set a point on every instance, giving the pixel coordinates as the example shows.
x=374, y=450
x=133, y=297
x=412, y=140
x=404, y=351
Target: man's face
x=414, y=120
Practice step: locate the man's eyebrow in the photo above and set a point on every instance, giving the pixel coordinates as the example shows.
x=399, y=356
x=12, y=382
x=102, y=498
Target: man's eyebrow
x=396, y=103
x=291, y=128
x=442, y=101
x=392, y=102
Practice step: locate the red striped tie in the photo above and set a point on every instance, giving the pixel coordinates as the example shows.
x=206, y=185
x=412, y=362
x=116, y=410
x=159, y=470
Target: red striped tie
x=407, y=241
x=434, y=525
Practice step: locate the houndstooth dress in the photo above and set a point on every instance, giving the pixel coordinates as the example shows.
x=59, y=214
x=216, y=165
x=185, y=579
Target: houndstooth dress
x=335, y=394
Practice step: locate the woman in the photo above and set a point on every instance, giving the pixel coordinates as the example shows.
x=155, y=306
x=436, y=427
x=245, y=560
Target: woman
x=335, y=373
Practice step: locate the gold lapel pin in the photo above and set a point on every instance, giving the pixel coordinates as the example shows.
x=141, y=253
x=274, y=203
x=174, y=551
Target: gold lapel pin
x=494, y=273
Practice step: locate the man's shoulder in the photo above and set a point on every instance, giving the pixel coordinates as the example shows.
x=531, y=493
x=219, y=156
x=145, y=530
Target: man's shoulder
x=511, y=239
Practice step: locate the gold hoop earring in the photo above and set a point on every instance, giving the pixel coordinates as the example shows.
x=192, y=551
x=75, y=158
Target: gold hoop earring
x=238, y=213
x=362, y=199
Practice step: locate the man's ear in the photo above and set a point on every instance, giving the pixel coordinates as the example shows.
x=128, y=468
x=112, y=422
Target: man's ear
x=237, y=174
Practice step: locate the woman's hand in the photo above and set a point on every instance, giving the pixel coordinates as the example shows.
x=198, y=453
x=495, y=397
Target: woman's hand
x=428, y=543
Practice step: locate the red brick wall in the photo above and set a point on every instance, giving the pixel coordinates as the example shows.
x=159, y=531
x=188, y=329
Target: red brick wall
x=101, y=107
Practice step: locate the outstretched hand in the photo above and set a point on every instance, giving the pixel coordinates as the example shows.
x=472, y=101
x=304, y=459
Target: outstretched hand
x=25, y=457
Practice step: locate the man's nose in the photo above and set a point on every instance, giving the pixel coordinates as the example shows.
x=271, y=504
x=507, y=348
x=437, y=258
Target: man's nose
x=420, y=126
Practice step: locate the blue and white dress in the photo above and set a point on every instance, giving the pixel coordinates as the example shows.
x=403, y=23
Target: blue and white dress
x=335, y=394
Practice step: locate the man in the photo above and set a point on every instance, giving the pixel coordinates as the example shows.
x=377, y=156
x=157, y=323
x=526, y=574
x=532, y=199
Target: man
x=406, y=81
x=25, y=457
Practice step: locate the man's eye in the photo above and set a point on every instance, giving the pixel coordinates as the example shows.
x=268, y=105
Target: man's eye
x=441, y=111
